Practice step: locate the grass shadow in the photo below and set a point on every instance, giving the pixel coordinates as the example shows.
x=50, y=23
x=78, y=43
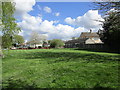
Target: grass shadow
x=16, y=84
x=100, y=50
x=69, y=56
x=99, y=87
x=11, y=84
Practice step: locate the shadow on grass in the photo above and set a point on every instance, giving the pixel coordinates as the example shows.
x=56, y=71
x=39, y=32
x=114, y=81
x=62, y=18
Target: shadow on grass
x=14, y=84
x=100, y=50
x=69, y=56
x=20, y=84
x=98, y=87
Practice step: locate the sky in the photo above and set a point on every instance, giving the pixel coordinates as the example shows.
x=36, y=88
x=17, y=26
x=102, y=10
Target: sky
x=56, y=20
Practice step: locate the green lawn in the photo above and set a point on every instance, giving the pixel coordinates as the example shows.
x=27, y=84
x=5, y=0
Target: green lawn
x=60, y=68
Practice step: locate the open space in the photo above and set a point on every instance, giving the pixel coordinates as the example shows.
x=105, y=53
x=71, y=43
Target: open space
x=60, y=44
x=60, y=68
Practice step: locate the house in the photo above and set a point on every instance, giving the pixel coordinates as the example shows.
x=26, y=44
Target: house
x=93, y=41
x=34, y=44
x=75, y=43
x=86, y=39
x=92, y=37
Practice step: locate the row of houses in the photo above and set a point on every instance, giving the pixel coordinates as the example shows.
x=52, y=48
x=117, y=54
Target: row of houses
x=32, y=44
x=38, y=44
x=86, y=40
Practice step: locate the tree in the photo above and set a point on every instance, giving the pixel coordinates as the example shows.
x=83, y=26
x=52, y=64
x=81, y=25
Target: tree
x=55, y=43
x=111, y=30
x=107, y=6
x=110, y=34
x=6, y=41
x=10, y=28
x=45, y=43
x=18, y=39
x=73, y=38
x=0, y=41
x=37, y=38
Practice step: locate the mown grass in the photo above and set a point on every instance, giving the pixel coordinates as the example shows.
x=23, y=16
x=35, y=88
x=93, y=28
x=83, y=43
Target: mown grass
x=60, y=68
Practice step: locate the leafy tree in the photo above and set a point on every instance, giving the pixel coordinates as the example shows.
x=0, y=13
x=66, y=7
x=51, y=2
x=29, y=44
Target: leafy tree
x=73, y=38
x=45, y=43
x=6, y=41
x=10, y=28
x=49, y=41
x=0, y=41
x=55, y=43
x=107, y=6
x=18, y=39
x=110, y=34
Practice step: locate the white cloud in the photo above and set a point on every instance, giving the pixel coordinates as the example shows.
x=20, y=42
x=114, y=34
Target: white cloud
x=23, y=6
x=30, y=23
x=88, y=20
x=47, y=9
x=70, y=21
x=39, y=7
x=57, y=14
x=48, y=28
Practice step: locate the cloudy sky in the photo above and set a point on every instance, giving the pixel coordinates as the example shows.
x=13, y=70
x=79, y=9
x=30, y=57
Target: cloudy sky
x=56, y=20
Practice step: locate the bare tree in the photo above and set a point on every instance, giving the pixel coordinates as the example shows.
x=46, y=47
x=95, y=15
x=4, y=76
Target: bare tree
x=37, y=38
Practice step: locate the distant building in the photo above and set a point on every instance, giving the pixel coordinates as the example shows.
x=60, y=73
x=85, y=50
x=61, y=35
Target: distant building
x=36, y=44
x=75, y=43
x=85, y=39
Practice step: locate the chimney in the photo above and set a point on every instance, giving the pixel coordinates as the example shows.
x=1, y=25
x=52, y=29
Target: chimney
x=90, y=31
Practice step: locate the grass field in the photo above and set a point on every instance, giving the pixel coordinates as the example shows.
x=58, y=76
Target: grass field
x=60, y=68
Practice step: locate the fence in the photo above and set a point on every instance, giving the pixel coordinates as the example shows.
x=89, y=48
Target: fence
x=92, y=46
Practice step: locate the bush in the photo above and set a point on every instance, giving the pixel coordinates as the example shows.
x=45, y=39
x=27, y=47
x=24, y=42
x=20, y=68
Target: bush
x=56, y=43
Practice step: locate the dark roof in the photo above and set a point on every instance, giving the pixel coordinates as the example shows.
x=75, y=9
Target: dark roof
x=89, y=34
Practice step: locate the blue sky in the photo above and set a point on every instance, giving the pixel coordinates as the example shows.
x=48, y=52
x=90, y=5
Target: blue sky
x=56, y=20
x=66, y=9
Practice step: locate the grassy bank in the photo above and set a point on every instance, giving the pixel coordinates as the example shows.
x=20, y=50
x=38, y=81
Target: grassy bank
x=60, y=68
